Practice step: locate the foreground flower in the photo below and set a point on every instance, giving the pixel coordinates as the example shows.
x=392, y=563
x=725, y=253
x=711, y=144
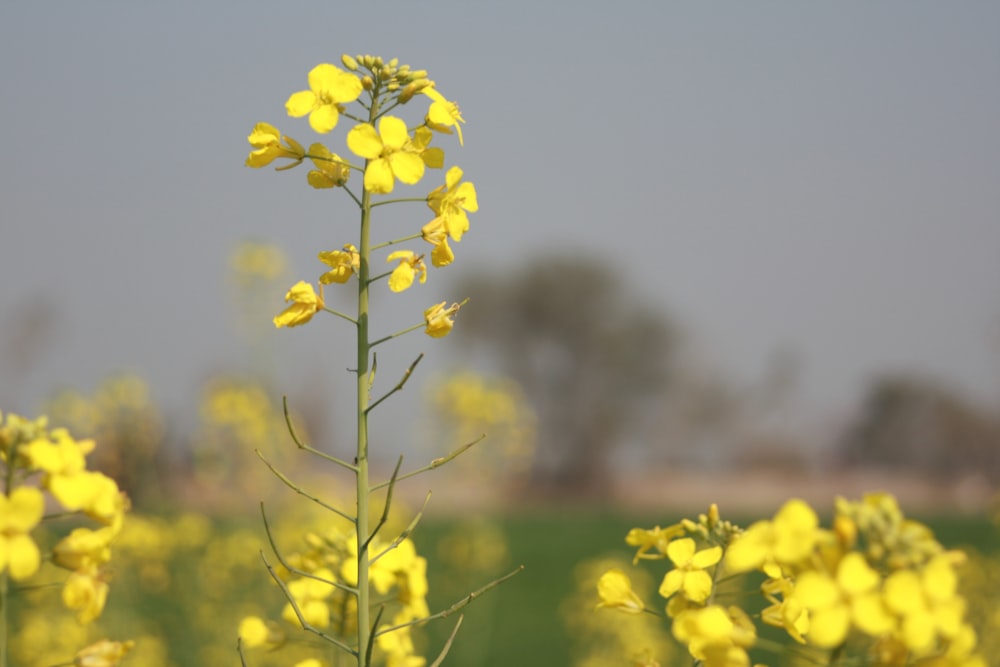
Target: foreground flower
x=329, y=87
x=343, y=264
x=410, y=266
x=267, y=140
x=688, y=575
x=787, y=540
x=451, y=201
x=435, y=233
x=440, y=320
x=443, y=114
x=19, y=514
x=615, y=590
x=255, y=631
x=390, y=152
x=305, y=304
x=104, y=653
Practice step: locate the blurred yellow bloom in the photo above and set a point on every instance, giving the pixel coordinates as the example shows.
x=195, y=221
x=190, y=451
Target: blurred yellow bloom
x=19, y=514
x=267, y=140
x=104, y=653
x=85, y=592
x=655, y=538
x=410, y=266
x=615, y=590
x=927, y=603
x=311, y=596
x=440, y=320
x=305, y=304
x=309, y=662
x=331, y=170
x=254, y=259
x=688, y=575
x=390, y=152
x=84, y=548
x=784, y=612
x=451, y=201
x=787, y=540
x=443, y=114
x=716, y=636
x=329, y=87
x=255, y=631
x=343, y=264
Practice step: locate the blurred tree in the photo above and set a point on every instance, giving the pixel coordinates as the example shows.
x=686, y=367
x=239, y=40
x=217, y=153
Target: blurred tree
x=912, y=424
x=590, y=355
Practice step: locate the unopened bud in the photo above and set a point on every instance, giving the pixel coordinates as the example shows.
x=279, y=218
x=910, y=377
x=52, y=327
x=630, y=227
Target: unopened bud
x=385, y=72
x=407, y=93
x=419, y=74
x=366, y=61
x=393, y=85
x=377, y=62
x=420, y=84
x=394, y=63
x=367, y=82
x=349, y=62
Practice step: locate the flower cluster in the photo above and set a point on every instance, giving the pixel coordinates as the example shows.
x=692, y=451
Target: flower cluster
x=320, y=584
x=392, y=152
x=875, y=582
x=36, y=460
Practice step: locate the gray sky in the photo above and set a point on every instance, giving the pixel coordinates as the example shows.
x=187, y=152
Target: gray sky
x=818, y=177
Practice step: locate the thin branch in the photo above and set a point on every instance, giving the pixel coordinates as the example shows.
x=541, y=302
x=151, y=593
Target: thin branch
x=406, y=532
x=299, y=490
x=298, y=612
x=239, y=651
x=399, y=386
x=458, y=605
x=385, y=509
x=303, y=446
x=447, y=644
x=436, y=463
x=396, y=201
x=294, y=570
x=340, y=315
x=398, y=334
x=371, y=637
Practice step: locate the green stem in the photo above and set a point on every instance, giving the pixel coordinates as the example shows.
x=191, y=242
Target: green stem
x=8, y=488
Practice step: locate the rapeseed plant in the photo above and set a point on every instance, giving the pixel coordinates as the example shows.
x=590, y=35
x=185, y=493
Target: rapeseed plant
x=354, y=588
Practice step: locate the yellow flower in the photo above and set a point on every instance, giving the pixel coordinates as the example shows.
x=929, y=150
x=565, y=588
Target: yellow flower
x=85, y=591
x=689, y=574
x=310, y=596
x=254, y=631
x=786, y=540
x=343, y=264
x=331, y=170
x=267, y=140
x=104, y=653
x=84, y=548
x=654, y=538
x=615, y=590
x=19, y=514
x=305, y=304
x=451, y=201
x=329, y=88
x=390, y=152
x=716, y=636
x=435, y=233
x=308, y=662
x=440, y=320
x=927, y=603
x=443, y=114
x=786, y=612
x=410, y=266
x=835, y=604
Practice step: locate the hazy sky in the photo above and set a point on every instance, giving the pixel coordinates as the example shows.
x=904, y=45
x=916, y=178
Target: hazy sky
x=816, y=177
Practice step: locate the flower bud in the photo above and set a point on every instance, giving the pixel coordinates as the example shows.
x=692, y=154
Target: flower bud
x=377, y=62
x=385, y=73
x=367, y=82
x=419, y=74
x=393, y=86
x=394, y=63
x=349, y=62
x=407, y=93
x=366, y=61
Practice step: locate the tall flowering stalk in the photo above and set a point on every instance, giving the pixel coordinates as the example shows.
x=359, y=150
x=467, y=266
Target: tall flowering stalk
x=336, y=578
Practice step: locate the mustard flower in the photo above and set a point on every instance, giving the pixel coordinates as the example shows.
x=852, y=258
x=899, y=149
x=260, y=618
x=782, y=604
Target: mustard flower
x=410, y=266
x=784, y=612
x=440, y=320
x=443, y=114
x=308, y=662
x=688, y=575
x=255, y=631
x=329, y=88
x=716, y=636
x=267, y=140
x=84, y=548
x=927, y=603
x=104, y=653
x=654, y=538
x=86, y=592
x=331, y=171
x=305, y=304
x=19, y=514
x=451, y=201
x=435, y=233
x=787, y=540
x=615, y=590
x=390, y=152
x=836, y=603
x=311, y=596
x=343, y=264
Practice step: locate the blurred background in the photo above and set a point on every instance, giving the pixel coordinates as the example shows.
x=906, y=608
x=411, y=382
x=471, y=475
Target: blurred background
x=725, y=253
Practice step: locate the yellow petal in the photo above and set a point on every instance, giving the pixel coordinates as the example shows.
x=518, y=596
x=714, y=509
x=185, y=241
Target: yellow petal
x=324, y=119
x=433, y=157
x=263, y=134
x=407, y=167
x=402, y=277
x=467, y=193
x=364, y=141
x=393, y=132
x=23, y=557
x=300, y=103
x=378, y=177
